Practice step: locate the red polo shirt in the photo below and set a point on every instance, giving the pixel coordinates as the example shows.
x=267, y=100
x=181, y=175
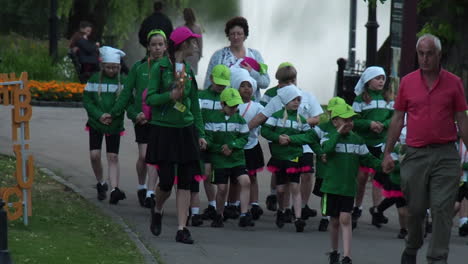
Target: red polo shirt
x=430, y=114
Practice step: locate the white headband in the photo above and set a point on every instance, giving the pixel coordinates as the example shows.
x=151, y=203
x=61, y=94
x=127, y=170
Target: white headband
x=369, y=74
x=110, y=55
x=239, y=75
x=288, y=93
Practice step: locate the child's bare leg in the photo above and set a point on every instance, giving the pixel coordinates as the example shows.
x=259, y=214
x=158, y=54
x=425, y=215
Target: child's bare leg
x=253, y=189
x=209, y=187
x=244, y=184
x=152, y=178
x=183, y=203
x=334, y=232
x=96, y=164
x=296, y=198
x=114, y=172
x=280, y=191
x=307, y=180
x=221, y=197
x=346, y=231
x=362, y=179
x=141, y=167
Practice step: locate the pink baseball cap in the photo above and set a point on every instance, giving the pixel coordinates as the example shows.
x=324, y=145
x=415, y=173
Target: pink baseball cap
x=181, y=34
x=252, y=62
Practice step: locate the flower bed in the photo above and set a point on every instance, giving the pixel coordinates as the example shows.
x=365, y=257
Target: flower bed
x=56, y=91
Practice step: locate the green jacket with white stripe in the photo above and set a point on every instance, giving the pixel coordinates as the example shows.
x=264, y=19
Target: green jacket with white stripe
x=322, y=131
x=209, y=101
x=268, y=95
x=232, y=131
x=299, y=134
x=130, y=98
x=377, y=110
x=344, y=155
x=99, y=98
x=164, y=112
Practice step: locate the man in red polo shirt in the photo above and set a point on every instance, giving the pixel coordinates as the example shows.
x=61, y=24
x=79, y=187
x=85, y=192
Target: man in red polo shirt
x=433, y=100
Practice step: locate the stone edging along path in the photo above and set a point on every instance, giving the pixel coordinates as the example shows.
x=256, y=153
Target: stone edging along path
x=57, y=104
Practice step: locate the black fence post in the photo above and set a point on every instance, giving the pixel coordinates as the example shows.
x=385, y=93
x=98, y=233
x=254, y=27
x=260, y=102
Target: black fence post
x=340, y=77
x=4, y=254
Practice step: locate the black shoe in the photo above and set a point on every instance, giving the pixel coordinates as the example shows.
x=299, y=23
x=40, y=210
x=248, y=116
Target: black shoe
x=403, y=233
x=323, y=225
x=116, y=195
x=231, y=212
x=279, y=219
x=197, y=220
x=149, y=202
x=377, y=217
x=183, y=236
x=346, y=260
x=272, y=202
x=141, y=194
x=307, y=212
x=256, y=211
x=300, y=224
x=246, y=220
x=463, y=230
x=288, y=215
x=407, y=258
x=156, y=220
x=217, y=221
x=334, y=257
x=209, y=213
x=102, y=191
x=355, y=216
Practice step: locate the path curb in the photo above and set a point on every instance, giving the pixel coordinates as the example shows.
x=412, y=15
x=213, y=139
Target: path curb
x=147, y=255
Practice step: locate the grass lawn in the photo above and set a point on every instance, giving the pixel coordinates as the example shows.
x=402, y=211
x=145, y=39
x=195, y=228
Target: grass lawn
x=64, y=228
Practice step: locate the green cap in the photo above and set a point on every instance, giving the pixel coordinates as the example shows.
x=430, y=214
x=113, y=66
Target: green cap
x=284, y=64
x=221, y=75
x=231, y=97
x=343, y=111
x=154, y=32
x=334, y=102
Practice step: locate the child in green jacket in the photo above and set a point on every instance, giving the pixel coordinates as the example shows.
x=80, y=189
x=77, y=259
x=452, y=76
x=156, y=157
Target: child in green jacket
x=131, y=99
x=226, y=135
x=99, y=97
x=345, y=151
x=288, y=131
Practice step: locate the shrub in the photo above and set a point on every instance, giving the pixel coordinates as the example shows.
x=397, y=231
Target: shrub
x=56, y=91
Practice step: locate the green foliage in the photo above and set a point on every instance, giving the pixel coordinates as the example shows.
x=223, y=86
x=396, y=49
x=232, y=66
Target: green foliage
x=443, y=30
x=19, y=54
x=64, y=227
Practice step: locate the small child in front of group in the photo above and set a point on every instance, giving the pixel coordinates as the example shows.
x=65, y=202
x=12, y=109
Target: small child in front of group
x=241, y=80
x=289, y=131
x=344, y=149
x=100, y=94
x=226, y=134
x=322, y=131
x=461, y=204
x=209, y=102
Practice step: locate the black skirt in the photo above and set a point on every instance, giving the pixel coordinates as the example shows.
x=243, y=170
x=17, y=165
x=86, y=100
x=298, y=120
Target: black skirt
x=254, y=161
x=172, y=144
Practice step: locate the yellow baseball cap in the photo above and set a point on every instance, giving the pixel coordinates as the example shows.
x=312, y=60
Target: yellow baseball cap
x=221, y=75
x=343, y=111
x=231, y=97
x=334, y=102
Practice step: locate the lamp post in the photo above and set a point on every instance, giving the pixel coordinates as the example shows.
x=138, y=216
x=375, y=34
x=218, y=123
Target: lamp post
x=371, y=25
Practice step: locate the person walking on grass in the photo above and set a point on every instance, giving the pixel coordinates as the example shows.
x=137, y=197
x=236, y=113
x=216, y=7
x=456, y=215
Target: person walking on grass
x=432, y=99
x=99, y=96
x=131, y=99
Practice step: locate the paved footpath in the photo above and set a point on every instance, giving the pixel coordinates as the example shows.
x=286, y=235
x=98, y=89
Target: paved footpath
x=59, y=142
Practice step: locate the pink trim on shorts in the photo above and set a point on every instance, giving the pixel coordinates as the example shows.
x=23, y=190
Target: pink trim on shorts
x=366, y=169
x=86, y=128
x=200, y=178
x=122, y=133
x=392, y=193
x=291, y=170
x=306, y=168
x=153, y=165
x=176, y=180
x=252, y=172
x=377, y=184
